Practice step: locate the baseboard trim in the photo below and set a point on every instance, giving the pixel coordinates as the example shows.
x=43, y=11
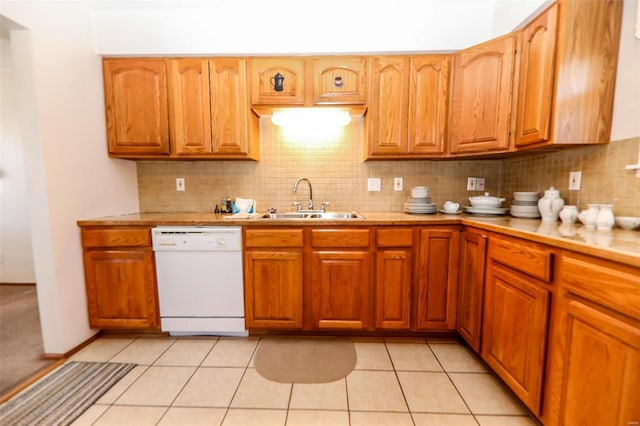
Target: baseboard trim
x=31, y=284
x=78, y=348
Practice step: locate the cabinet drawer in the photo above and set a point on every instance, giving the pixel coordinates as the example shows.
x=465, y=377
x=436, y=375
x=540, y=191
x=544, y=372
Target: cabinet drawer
x=612, y=285
x=273, y=238
x=396, y=237
x=340, y=237
x=116, y=237
x=522, y=256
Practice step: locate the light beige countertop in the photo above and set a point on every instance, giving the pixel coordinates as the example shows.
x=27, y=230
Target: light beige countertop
x=617, y=245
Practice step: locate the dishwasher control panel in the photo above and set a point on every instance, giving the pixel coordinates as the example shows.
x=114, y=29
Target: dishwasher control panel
x=197, y=238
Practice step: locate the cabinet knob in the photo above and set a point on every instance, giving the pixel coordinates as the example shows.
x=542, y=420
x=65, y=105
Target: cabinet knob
x=338, y=82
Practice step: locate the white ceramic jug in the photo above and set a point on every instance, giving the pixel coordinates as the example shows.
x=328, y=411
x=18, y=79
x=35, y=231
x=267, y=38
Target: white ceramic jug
x=605, y=218
x=550, y=205
x=569, y=214
x=592, y=216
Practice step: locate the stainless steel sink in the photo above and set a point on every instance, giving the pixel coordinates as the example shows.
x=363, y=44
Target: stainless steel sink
x=313, y=215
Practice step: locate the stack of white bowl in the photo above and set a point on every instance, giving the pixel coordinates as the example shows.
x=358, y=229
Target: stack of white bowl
x=525, y=204
x=420, y=202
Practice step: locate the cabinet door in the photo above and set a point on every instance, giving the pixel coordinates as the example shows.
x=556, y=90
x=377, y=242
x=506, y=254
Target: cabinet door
x=481, y=106
x=437, y=279
x=190, y=109
x=600, y=355
x=339, y=80
x=428, y=100
x=393, y=288
x=514, y=331
x=229, y=106
x=273, y=289
x=340, y=286
x=538, y=50
x=471, y=289
x=387, y=112
x=263, y=73
x=121, y=289
x=136, y=106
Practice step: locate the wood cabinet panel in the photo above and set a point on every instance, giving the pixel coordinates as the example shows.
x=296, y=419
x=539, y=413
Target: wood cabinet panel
x=394, y=273
x=524, y=256
x=116, y=237
x=121, y=289
x=344, y=237
x=394, y=237
x=189, y=105
x=136, y=105
x=428, y=101
x=339, y=80
x=388, y=104
x=437, y=280
x=280, y=237
x=514, y=335
x=473, y=250
x=535, y=91
x=341, y=286
x=263, y=70
x=481, y=105
x=273, y=289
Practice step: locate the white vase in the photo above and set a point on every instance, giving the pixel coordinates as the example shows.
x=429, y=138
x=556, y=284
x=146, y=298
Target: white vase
x=605, y=219
x=550, y=205
x=592, y=216
x=569, y=214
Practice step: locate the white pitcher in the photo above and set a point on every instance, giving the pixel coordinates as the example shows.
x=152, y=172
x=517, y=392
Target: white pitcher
x=569, y=214
x=550, y=205
x=605, y=219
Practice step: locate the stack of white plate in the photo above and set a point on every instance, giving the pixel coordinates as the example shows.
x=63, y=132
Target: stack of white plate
x=525, y=204
x=420, y=206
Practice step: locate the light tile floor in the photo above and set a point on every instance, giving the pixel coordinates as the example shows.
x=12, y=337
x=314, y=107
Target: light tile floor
x=211, y=381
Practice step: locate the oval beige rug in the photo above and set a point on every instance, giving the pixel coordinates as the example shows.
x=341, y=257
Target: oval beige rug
x=304, y=360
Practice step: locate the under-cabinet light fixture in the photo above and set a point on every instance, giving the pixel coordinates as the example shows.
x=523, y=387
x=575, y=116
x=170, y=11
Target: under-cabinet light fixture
x=311, y=117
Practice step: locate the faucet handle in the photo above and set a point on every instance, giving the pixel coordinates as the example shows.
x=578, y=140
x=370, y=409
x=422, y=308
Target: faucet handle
x=323, y=206
x=297, y=204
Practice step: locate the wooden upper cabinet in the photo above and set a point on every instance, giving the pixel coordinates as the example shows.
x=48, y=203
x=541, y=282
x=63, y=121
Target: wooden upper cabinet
x=190, y=108
x=387, y=110
x=537, y=59
x=339, y=80
x=567, y=74
x=136, y=106
x=263, y=73
x=483, y=76
x=230, y=115
x=428, y=100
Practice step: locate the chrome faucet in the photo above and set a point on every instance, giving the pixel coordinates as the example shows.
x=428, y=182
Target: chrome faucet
x=295, y=188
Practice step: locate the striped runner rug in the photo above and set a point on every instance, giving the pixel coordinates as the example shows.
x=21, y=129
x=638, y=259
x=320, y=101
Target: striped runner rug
x=60, y=397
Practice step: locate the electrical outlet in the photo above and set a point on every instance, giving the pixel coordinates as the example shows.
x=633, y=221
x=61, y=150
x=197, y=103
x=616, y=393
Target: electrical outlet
x=574, y=181
x=471, y=184
x=373, y=184
x=479, y=184
x=179, y=184
x=397, y=184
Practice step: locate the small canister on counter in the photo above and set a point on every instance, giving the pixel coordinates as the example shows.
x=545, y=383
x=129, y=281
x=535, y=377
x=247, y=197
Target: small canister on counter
x=225, y=205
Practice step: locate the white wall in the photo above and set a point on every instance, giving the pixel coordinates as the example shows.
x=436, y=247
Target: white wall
x=626, y=105
x=69, y=176
x=16, y=259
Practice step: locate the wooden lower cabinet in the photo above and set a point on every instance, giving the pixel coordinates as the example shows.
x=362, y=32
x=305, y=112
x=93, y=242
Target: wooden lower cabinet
x=514, y=331
x=473, y=253
x=273, y=278
x=594, y=356
x=393, y=278
x=120, y=278
x=437, y=278
x=340, y=289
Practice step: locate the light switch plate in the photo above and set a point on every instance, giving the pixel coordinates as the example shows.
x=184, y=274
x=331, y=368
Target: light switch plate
x=179, y=184
x=397, y=184
x=479, y=184
x=471, y=184
x=575, y=178
x=373, y=184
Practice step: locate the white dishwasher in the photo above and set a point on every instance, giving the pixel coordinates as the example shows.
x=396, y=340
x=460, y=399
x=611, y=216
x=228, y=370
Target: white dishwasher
x=200, y=285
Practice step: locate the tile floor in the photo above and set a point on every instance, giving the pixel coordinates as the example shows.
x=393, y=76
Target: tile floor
x=211, y=381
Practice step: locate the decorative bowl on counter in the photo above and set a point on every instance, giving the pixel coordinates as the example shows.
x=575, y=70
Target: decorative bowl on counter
x=486, y=201
x=628, y=222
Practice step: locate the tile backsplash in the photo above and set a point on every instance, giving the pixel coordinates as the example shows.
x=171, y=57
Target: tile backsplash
x=336, y=169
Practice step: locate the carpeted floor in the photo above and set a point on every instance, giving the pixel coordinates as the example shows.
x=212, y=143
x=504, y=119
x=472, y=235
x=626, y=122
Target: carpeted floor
x=20, y=336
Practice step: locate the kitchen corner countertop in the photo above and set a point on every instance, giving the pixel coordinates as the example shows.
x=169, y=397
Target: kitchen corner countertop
x=617, y=245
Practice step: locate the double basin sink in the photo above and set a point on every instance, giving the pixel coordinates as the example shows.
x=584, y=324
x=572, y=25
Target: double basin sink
x=312, y=214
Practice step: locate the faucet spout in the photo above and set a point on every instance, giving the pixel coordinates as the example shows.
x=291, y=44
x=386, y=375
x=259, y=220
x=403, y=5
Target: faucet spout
x=295, y=188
